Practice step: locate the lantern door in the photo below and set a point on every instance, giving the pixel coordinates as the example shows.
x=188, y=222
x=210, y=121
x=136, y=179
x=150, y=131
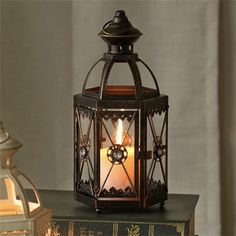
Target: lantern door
x=84, y=151
x=118, y=154
x=156, y=161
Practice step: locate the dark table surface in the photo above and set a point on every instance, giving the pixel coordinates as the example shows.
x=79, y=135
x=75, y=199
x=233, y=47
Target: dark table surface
x=178, y=208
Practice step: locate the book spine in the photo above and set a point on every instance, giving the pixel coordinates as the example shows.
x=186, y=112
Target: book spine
x=65, y=227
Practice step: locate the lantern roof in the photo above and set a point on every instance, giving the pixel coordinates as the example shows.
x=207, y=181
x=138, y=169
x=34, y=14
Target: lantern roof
x=120, y=34
x=119, y=30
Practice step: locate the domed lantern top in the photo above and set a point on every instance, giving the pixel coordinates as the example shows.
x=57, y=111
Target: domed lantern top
x=120, y=35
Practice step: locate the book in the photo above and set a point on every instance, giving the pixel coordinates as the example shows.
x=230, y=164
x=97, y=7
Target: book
x=72, y=218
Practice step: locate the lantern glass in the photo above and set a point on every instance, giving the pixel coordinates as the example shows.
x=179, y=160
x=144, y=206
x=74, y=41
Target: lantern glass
x=94, y=74
x=120, y=75
x=117, y=153
x=157, y=147
x=31, y=195
x=10, y=197
x=147, y=81
x=10, y=203
x=85, y=135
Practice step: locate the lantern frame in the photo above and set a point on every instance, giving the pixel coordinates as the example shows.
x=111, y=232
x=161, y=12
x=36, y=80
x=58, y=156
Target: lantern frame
x=135, y=104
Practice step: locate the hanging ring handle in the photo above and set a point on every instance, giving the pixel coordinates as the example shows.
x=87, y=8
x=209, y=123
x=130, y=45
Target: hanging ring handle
x=104, y=26
x=7, y=137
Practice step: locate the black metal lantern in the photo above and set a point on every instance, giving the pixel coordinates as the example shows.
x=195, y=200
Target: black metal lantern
x=120, y=131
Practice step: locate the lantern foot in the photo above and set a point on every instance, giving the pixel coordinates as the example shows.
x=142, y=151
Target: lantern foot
x=162, y=204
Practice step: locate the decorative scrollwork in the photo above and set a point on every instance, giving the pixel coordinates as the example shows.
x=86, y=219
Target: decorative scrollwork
x=117, y=154
x=159, y=149
x=157, y=110
x=84, y=151
x=113, y=192
x=134, y=230
x=85, y=145
x=114, y=115
x=45, y=230
x=156, y=188
x=85, y=112
x=84, y=187
x=55, y=230
x=85, y=140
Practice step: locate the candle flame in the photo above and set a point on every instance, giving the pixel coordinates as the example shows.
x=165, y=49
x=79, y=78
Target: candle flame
x=119, y=132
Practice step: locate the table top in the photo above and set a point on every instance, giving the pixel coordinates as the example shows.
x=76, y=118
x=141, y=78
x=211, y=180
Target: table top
x=178, y=208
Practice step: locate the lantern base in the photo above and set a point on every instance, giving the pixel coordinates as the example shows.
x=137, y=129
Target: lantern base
x=39, y=224
x=101, y=204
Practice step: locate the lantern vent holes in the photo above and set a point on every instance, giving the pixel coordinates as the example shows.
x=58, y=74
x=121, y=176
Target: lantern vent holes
x=117, y=154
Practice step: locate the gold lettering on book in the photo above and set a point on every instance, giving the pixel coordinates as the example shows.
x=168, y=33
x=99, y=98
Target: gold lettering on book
x=83, y=231
x=91, y=233
x=179, y=228
x=134, y=230
x=55, y=230
x=87, y=232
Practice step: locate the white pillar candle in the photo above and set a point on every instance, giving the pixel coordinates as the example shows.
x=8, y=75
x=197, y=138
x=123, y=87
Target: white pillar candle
x=118, y=177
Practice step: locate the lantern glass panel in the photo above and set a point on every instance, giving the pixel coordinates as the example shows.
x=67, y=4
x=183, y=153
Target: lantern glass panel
x=117, y=154
x=147, y=76
x=31, y=195
x=85, y=142
x=94, y=74
x=10, y=203
x=157, y=149
x=120, y=74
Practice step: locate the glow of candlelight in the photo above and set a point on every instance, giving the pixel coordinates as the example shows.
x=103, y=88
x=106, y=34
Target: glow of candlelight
x=119, y=132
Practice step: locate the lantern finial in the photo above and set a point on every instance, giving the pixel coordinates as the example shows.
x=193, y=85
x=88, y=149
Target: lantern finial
x=120, y=34
x=6, y=141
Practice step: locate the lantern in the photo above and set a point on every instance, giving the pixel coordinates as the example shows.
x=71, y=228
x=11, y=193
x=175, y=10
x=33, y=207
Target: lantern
x=120, y=131
x=21, y=210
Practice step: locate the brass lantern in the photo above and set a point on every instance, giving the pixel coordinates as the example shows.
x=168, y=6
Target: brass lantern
x=21, y=210
x=120, y=131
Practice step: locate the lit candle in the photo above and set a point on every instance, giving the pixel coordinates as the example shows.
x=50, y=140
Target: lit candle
x=118, y=177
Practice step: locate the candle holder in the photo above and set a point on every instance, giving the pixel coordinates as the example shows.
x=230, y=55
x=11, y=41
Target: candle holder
x=120, y=131
x=21, y=210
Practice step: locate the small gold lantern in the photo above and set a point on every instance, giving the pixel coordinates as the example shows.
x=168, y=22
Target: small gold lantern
x=21, y=210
